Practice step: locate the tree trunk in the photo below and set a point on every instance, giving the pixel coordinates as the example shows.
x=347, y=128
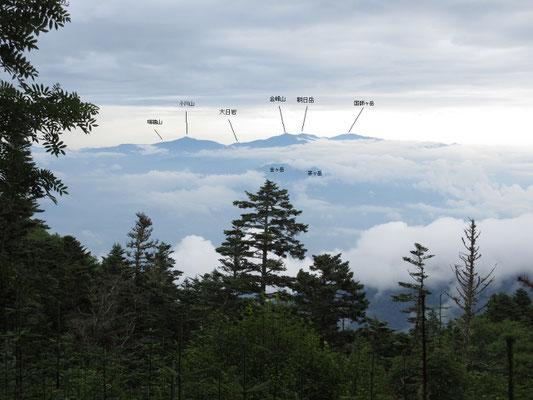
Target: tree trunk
x=219, y=385
x=104, y=374
x=372, y=376
x=244, y=372
x=510, y=342
x=58, y=347
x=18, y=357
x=424, y=356
x=172, y=382
x=180, y=351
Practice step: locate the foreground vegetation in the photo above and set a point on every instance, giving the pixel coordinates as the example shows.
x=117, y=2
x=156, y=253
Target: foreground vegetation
x=121, y=328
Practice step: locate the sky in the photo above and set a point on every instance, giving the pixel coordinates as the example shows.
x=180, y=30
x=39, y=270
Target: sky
x=444, y=71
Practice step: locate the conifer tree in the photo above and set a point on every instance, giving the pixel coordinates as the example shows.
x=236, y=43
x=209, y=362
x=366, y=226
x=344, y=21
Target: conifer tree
x=117, y=283
x=417, y=295
x=470, y=284
x=271, y=228
x=115, y=263
x=502, y=306
x=235, y=265
x=415, y=290
x=330, y=298
x=523, y=303
x=142, y=247
x=161, y=289
x=204, y=294
x=164, y=264
x=142, y=256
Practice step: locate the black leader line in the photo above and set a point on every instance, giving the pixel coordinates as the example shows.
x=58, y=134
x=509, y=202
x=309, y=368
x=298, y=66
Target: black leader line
x=231, y=126
x=158, y=134
x=305, y=115
x=282, y=123
x=356, y=119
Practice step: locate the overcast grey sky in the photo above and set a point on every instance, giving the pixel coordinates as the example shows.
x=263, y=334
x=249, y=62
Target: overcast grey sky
x=451, y=71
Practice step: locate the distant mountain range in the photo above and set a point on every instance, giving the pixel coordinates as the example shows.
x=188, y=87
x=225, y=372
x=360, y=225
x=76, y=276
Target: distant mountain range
x=190, y=144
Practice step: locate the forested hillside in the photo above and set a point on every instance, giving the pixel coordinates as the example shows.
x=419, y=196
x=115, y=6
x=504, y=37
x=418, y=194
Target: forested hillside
x=76, y=327
x=123, y=327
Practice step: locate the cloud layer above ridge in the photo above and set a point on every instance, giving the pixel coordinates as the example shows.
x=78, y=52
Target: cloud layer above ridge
x=374, y=200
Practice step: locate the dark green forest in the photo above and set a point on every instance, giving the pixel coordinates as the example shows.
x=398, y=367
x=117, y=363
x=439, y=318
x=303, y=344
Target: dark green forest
x=129, y=326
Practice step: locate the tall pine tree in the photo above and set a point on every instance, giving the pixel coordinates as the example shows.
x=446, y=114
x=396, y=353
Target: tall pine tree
x=271, y=230
x=417, y=295
x=141, y=245
x=416, y=290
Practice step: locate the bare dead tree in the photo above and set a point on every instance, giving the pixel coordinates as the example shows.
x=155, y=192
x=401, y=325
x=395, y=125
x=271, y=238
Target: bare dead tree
x=470, y=284
x=95, y=326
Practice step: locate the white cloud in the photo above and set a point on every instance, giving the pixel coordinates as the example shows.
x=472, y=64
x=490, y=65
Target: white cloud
x=41, y=157
x=182, y=192
x=195, y=255
x=294, y=265
x=377, y=261
x=159, y=180
x=474, y=180
x=366, y=183
x=148, y=149
x=202, y=200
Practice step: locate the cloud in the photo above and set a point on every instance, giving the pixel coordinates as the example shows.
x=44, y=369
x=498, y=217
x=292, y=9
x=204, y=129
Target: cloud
x=148, y=149
x=365, y=184
x=470, y=180
x=244, y=47
x=376, y=259
x=456, y=71
x=377, y=262
x=183, y=192
x=41, y=157
x=294, y=265
x=201, y=200
x=195, y=255
x=161, y=179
